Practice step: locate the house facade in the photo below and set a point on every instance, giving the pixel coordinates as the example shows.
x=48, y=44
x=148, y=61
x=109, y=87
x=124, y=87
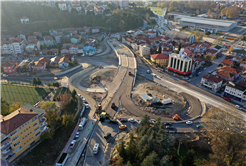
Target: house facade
x=49, y=41
x=73, y=49
x=63, y=62
x=24, y=20
x=212, y=82
x=15, y=46
x=40, y=64
x=20, y=130
x=160, y=59
x=62, y=5
x=58, y=37
x=236, y=91
x=10, y=66
x=144, y=50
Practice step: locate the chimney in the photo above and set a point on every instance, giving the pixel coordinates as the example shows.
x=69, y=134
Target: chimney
x=31, y=110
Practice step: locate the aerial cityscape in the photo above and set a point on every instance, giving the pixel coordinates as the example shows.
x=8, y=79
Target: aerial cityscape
x=123, y=83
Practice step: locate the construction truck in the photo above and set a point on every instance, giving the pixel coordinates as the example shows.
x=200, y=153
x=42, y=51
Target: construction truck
x=176, y=117
x=113, y=105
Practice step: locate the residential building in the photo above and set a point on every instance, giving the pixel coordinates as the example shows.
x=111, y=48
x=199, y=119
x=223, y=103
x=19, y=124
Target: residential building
x=180, y=63
x=144, y=50
x=58, y=37
x=33, y=45
x=65, y=50
x=211, y=52
x=73, y=49
x=31, y=38
x=236, y=91
x=189, y=53
x=40, y=64
x=87, y=29
x=160, y=59
x=22, y=36
x=15, y=46
x=76, y=5
x=227, y=62
x=20, y=130
x=24, y=20
x=95, y=30
x=212, y=82
x=181, y=34
x=121, y=3
x=38, y=34
x=62, y=5
x=76, y=39
x=55, y=60
x=225, y=75
x=98, y=9
x=52, y=32
x=235, y=71
x=166, y=50
x=9, y=67
x=89, y=50
x=49, y=41
x=152, y=34
x=63, y=62
x=243, y=65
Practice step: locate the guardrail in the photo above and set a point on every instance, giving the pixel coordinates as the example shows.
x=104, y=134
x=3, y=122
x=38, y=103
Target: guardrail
x=115, y=52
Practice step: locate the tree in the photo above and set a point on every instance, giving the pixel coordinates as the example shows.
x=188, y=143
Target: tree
x=159, y=49
x=151, y=160
x=4, y=107
x=48, y=106
x=232, y=12
x=74, y=93
x=208, y=57
x=34, y=81
x=15, y=106
x=179, y=47
x=49, y=85
x=207, y=33
x=48, y=135
x=189, y=158
x=214, y=57
x=65, y=100
x=129, y=163
x=119, y=161
x=121, y=149
x=130, y=150
x=56, y=84
x=209, y=13
x=67, y=120
x=39, y=81
x=227, y=140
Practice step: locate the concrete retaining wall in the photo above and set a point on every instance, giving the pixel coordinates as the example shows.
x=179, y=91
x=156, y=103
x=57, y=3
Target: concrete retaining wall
x=67, y=71
x=115, y=52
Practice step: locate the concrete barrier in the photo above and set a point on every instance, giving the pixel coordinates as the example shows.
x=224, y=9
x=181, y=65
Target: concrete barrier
x=204, y=108
x=67, y=71
x=135, y=63
x=115, y=52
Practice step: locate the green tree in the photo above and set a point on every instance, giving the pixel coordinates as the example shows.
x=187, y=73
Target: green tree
x=189, y=158
x=151, y=160
x=122, y=151
x=208, y=57
x=48, y=106
x=4, y=107
x=67, y=120
x=15, y=106
x=48, y=135
x=39, y=81
x=179, y=46
x=131, y=149
x=129, y=163
x=74, y=93
x=159, y=49
x=34, y=81
x=207, y=33
x=49, y=85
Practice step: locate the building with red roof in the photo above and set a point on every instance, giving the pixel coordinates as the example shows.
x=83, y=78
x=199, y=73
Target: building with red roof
x=212, y=82
x=24, y=20
x=10, y=66
x=160, y=59
x=227, y=62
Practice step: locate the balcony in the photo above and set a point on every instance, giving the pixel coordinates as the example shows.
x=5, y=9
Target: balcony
x=9, y=157
x=43, y=124
x=44, y=128
x=43, y=119
x=7, y=152
x=4, y=144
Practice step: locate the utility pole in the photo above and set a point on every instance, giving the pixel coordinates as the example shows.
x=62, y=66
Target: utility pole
x=179, y=146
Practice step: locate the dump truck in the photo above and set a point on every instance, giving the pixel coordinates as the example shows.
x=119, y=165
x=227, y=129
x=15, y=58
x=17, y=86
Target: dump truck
x=176, y=117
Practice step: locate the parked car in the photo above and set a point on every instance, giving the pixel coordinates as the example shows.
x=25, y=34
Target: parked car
x=189, y=122
x=122, y=126
x=113, y=121
x=77, y=135
x=107, y=136
x=84, y=100
x=199, y=126
x=169, y=127
x=5, y=75
x=149, y=94
x=80, y=95
x=122, y=119
x=72, y=144
x=95, y=149
x=238, y=107
x=159, y=71
x=132, y=120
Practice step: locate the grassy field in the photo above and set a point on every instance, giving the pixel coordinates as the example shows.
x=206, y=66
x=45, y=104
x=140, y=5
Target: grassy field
x=157, y=9
x=26, y=95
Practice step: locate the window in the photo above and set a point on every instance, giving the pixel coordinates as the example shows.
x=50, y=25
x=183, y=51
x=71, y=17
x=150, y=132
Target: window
x=5, y=67
x=13, y=133
x=35, y=124
x=36, y=129
x=18, y=149
x=17, y=143
x=38, y=134
x=9, y=68
x=15, y=138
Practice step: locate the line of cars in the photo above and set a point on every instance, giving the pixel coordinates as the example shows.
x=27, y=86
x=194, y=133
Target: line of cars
x=84, y=100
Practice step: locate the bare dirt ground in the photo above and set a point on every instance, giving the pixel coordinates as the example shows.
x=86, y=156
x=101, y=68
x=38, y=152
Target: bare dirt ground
x=97, y=96
x=144, y=86
x=102, y=77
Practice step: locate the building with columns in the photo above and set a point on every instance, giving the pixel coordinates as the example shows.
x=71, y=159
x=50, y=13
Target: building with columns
x=180, y=63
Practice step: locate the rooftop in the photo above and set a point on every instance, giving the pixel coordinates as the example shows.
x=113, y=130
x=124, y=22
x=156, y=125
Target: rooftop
x=214, y=22
x=159, y=56
x=227, y=62
x=212, y=78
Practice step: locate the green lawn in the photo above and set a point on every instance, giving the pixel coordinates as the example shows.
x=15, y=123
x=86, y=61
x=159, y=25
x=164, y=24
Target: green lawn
x=157, y=9
x=26, y=95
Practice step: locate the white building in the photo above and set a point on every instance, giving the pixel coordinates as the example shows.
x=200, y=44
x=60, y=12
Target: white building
x=33, y=45
x=22, y=36
x=95, y=30
x=14, y=47
x=48, y=41
x=180, y=63
x=212, y=82
x=207, y=24
x=62, y=5
x=24, y=20
x=58, y=37
x=236, y=91
x=73, y=49
x=144, y=50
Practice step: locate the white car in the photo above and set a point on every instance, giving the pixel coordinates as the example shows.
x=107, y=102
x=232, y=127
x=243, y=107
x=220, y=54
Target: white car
x=72, y=143
x=80, y=95
x=87, y=106
x=5, y=75
x=238, y=107
x=189, y=122
x=132, y=120
x=158, y=70
x=84, y=100
x=77, y=135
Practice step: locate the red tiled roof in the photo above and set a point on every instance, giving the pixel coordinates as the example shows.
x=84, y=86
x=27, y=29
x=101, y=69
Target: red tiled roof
x=57, y=34
x=212, y=51
x=64, y=59
x=24, y=17
x=187, y=51
x=243, y=62
x=74, y=46
x=230, y=69
x=167, y=49
x=9, y=63
x=48, y=38
x=212, y=78
x=224, y=73
x=243, y=83
x=227, y=62
x=16, y=119
x=16, y=40
x=159, y=56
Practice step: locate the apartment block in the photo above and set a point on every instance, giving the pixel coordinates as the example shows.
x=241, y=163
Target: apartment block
x=20, y=130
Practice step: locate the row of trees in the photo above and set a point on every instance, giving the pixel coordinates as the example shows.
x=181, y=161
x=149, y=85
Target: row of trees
x=36, y=81
x=231, y=12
